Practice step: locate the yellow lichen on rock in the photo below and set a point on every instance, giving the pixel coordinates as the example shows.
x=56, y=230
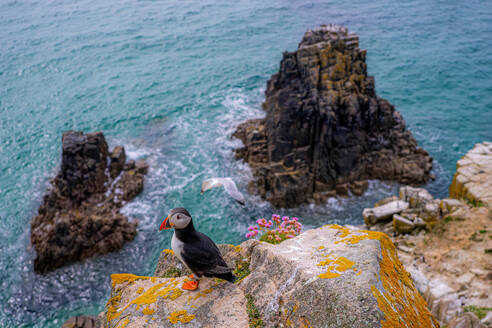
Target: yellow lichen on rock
x=111, y=305
x=398, y=299
x=119, y=278
x=352, y=236
x=164, y=290
x=181, y=316
x=203, y=293
x=148, y=311
x=334, y=265
x=124, y=323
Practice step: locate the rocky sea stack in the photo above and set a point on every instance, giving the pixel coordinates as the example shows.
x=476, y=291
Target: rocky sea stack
x=326, y=131
x=80, y=217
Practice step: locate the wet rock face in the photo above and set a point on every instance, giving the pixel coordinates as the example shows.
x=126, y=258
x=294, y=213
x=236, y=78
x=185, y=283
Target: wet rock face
x=80, y=217
x=325, y=128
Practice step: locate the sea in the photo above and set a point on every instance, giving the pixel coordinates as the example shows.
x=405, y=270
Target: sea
x=170, y=80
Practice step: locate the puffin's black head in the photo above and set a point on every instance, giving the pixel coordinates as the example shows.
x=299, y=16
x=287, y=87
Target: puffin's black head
x=178, y=218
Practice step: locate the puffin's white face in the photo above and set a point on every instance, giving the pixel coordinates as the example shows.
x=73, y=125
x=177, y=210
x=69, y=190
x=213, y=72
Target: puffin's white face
x=179, y=221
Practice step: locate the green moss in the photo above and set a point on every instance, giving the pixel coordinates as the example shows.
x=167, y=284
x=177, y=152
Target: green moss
x=241, y=270
x=450, y=218
x=483, y=231
x=253, y=313
x=480, y=312
x=272, y=240
x=488, y=251
x=172, y=273
x=475, y=203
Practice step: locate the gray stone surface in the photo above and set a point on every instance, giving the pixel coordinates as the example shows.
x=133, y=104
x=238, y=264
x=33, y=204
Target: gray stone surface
x=328, y=277
x=383, y=212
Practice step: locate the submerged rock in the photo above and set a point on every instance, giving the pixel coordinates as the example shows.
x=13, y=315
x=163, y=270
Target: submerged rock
x=327, y=277
x=325, y=127
x=80, y=217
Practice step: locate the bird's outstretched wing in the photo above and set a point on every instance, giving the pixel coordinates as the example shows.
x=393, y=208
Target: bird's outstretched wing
x=228, y=185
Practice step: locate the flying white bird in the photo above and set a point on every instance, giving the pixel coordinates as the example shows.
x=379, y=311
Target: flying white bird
x=228, y=185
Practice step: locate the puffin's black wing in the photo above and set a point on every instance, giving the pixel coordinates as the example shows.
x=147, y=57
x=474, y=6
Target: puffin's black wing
x=203, y=256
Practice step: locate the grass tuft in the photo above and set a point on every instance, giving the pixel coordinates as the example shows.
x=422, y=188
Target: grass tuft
x=253, y=313
x=480, y=312
x=172, y=273
x=242, y=270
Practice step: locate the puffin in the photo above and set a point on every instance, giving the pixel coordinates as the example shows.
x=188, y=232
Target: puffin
x=196, y=250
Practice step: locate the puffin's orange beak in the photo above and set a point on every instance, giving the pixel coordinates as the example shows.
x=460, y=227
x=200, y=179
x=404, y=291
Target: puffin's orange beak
x=164, y=224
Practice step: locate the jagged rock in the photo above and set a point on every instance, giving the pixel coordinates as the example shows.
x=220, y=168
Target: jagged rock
x=118, y=159
x=472, y=180
x=383, y=212
x=466, y=320
x=443, y=300
x=325, y=127
x=327, y=277
x=402, y=225
x=420, y=210
x=448, y=205
x=141, y=166
x=83, y=321
x=358, y=187
x=416, y=197
x=80, y=217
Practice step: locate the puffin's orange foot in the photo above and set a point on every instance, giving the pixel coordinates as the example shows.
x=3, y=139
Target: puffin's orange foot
x=190, y=285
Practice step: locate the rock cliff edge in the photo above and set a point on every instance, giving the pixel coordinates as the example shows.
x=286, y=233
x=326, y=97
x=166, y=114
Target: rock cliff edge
x=327, y=277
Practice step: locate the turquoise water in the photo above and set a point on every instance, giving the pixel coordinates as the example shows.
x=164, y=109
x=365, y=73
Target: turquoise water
x=170, y=80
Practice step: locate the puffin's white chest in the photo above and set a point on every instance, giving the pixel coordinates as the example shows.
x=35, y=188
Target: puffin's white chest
x=177, y=246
